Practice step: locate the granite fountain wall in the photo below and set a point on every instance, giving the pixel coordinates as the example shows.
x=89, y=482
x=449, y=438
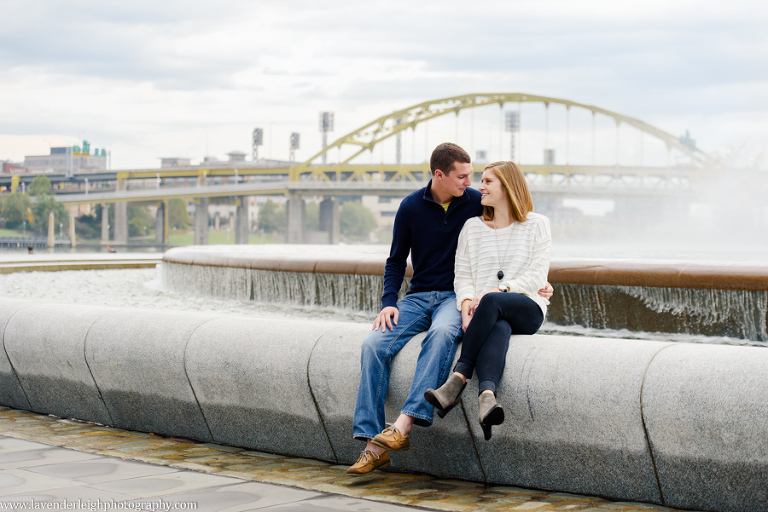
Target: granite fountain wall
x=682, y=425
x=668, y=297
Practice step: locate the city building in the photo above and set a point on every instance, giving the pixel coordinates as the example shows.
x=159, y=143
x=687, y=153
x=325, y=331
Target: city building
x=167, y=162
x=68, y=159
x=9, y=168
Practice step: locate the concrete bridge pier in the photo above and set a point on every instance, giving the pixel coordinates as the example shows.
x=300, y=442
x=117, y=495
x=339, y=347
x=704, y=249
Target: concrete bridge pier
x=121, y=217
x=161, y=223
x=104, y=223
x=241, y=221
x=296, y=210
x=51, y=230
x=121, y=223
x=329, y=219
x=201, y=221
x=72, y=236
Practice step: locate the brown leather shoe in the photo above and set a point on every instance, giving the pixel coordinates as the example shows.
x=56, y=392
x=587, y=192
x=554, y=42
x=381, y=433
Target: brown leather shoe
x=367, y=462
x=391, y=439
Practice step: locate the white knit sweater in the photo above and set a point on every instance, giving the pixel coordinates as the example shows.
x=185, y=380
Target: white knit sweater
x=526, y=265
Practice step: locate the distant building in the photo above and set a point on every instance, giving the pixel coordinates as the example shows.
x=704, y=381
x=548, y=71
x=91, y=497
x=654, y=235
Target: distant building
x=9, y=168
x=165, y=163
x=68, y=159
x=236, y=156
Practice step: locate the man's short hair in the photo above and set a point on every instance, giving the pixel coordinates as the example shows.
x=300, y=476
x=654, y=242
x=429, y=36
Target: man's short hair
x=446, y=155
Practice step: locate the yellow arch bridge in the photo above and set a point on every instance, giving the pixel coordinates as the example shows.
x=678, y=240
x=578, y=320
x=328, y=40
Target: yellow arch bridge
x=349, y=178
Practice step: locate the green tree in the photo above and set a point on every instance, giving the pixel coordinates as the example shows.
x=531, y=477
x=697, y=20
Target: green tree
x=40, y=186
x=139, y=220
x=14, y=208
x=88, y=227
x=356, y=221
x=272, y=217
x=98, y=212
x=178, y=216
x=45, y=204
x=312, y=216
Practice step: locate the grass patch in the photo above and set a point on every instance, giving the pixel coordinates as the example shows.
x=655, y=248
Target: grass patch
x=13, y=233
x=223, y=238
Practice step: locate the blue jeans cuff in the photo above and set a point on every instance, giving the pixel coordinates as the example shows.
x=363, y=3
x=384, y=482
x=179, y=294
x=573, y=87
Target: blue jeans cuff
x=421, y=420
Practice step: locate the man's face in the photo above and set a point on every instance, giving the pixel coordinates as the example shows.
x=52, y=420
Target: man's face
x=455, y=182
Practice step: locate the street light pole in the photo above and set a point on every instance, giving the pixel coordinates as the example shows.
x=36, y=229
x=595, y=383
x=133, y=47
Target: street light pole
x=326, y=125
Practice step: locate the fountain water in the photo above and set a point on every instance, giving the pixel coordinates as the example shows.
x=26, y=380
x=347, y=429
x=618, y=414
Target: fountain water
x=672, y=297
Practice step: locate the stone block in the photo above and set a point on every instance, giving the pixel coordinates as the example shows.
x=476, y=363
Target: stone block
x=572, y=417
x=49, y=357
x=11, y=393
x=706, y=411
x=335, y=375
x=250, y=377
x=445, y=448
x=137, y=361
x=683, y=425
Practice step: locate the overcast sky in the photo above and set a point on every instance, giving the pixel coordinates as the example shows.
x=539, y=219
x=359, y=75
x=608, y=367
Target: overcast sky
x=150, y=79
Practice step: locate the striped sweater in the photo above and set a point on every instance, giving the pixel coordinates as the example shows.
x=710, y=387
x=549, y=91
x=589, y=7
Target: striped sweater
x=527, y=245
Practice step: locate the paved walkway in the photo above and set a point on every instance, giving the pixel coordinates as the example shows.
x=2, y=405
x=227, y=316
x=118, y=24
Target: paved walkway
x=50, y=462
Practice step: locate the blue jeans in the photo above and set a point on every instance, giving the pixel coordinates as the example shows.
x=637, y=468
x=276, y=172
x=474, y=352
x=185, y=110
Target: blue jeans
x=434, y=312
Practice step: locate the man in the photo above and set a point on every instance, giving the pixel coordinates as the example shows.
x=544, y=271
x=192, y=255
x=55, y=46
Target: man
x=427, y=227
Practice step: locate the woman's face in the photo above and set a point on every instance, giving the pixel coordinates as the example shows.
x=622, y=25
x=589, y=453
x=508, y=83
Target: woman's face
x=491, y=190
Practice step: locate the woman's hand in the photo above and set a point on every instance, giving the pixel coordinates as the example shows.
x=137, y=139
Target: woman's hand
x=466, y=314
x=465, y=319
x=476, y=301
x=469, y=306
x=473, y=305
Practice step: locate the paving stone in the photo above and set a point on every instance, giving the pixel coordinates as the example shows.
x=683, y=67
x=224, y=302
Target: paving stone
x=236, y=467
x=20, y=481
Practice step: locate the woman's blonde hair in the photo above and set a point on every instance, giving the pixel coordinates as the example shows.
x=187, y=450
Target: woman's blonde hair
x=513, y=181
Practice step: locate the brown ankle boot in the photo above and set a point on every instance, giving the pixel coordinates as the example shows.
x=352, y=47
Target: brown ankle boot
x=489, y=413
x=446, y=396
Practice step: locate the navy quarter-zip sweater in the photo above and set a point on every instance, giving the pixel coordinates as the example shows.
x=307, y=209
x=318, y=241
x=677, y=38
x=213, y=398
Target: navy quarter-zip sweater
x=429, y=234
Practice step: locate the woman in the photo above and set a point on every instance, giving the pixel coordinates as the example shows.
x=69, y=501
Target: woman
x=502, y=260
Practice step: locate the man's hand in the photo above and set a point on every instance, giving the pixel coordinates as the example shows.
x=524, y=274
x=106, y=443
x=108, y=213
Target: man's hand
x=547, y=291
x=386, y=318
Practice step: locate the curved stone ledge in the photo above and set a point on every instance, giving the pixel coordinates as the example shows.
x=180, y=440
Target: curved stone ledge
x=288, y=258
x=11, y=392
x=47, y=356
x=673, y=297
x=57, y=262
x=701, y=276
x=673, y=274
x=677, y=424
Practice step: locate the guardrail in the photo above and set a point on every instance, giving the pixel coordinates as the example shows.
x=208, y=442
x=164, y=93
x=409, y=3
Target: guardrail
x=35, y=242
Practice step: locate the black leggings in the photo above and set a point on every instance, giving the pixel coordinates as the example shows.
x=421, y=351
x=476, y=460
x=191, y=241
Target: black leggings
x=484, y=348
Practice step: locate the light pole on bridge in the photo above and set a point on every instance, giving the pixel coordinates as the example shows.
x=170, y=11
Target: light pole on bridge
x=295, y=138
x=511, y=126
x=326, y=125
x=258, y=140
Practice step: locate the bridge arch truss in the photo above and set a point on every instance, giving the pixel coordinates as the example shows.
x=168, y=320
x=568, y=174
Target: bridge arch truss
x=368, y=136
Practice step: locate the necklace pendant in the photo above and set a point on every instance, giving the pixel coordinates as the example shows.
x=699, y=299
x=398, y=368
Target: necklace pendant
x=500, y=275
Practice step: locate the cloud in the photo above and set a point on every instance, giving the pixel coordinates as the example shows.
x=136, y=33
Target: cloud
x=119, y=72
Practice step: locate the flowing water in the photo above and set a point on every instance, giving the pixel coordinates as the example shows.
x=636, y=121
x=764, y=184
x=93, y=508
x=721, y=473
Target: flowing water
x=716, y=315
x=327, y=296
